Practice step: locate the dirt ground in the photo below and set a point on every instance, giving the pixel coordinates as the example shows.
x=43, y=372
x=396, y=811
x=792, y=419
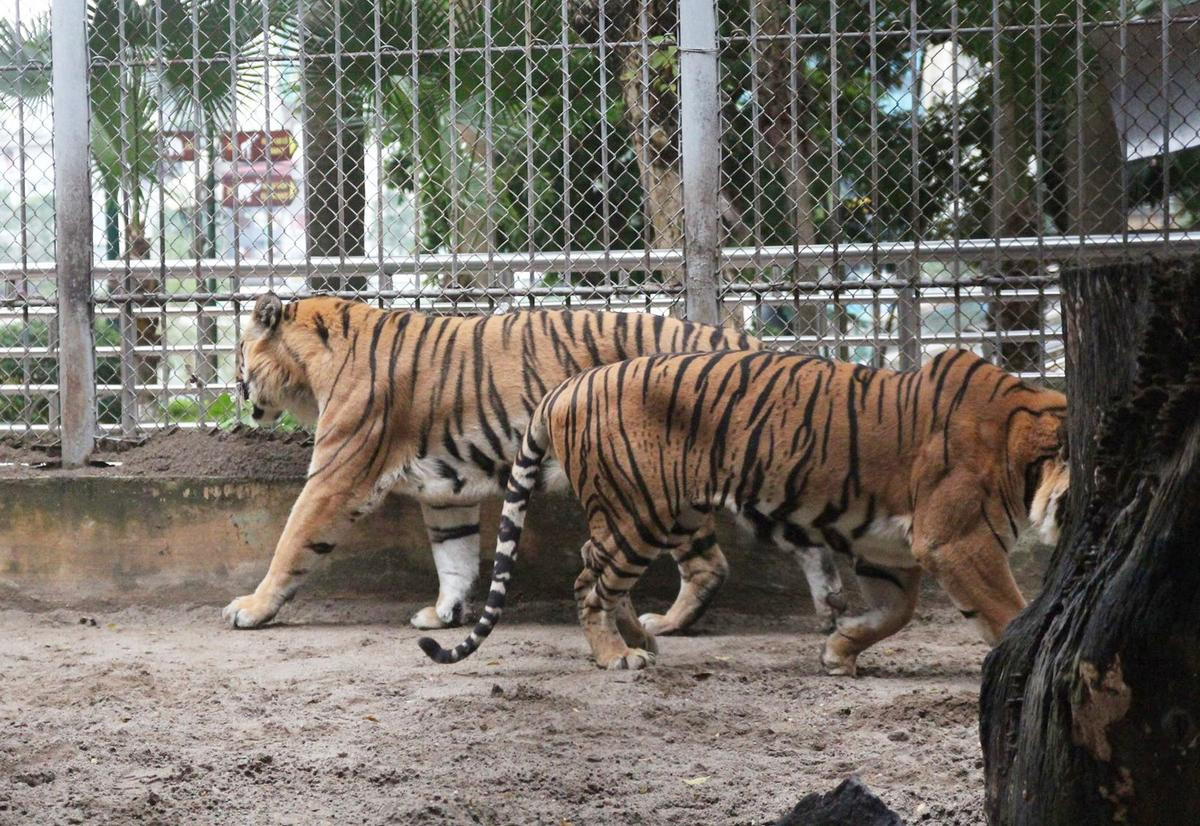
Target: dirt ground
x=334, y=715
x=240, y=452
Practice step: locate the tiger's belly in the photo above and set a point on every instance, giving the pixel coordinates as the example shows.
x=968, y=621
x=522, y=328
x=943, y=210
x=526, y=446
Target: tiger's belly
x=442, y=479
x=880, y=539
x=887, y=542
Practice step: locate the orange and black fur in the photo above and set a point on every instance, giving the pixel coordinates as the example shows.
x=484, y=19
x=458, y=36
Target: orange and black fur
x=934, y=470
x=433, y=407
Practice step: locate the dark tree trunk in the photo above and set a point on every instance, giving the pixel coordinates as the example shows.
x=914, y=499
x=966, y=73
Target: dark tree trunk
x=335, y=172
x=1090, y=711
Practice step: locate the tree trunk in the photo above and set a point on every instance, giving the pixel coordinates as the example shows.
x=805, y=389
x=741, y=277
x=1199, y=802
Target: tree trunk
x=473, y=231
x=784, y=127
x=335, y=175
x=1014, y=214
x=1092, y=161
x=1090, y=710
x=656, y=147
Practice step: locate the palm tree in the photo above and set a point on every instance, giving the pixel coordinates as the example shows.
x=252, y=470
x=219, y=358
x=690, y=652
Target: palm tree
x=172, y=65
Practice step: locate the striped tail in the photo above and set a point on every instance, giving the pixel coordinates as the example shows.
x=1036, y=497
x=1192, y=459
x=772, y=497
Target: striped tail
x=512, y=519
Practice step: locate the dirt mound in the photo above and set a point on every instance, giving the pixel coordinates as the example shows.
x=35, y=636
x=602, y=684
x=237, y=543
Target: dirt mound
x=239, y=453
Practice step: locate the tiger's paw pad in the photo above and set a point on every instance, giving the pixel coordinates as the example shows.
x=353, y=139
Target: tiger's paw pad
x=634, y=660
x=430, y=619
x=656, y=625
x=249, y=611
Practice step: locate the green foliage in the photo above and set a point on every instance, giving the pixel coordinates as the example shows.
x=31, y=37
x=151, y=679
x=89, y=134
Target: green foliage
x=26, y=370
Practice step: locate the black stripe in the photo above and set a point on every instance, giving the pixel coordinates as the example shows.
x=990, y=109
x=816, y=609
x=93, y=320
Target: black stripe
x=457, y=532
x=869, y=571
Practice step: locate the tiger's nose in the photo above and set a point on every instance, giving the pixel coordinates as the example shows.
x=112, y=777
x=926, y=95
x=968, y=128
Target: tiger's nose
x=257, y=412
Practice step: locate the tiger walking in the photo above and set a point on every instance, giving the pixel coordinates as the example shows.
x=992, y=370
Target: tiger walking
x=935, y=470
x=435, y=407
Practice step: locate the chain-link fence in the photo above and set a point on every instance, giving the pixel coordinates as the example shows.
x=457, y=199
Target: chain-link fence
x=872, y=180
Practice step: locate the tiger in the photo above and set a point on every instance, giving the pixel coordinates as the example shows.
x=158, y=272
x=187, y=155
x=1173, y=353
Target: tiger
x=931, y=470
x=435, y=407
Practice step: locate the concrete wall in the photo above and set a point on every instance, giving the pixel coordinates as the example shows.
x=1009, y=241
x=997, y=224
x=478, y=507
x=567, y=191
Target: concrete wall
x=137, y=540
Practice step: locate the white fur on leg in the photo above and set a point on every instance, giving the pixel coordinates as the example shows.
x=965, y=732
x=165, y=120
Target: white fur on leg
x=454, y=536
x=824, y=583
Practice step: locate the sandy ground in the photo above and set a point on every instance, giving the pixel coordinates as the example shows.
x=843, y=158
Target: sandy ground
x=162, y=715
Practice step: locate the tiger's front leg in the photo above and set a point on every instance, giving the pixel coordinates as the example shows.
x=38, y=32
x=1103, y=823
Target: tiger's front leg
x=317, y=522
x=454, y=536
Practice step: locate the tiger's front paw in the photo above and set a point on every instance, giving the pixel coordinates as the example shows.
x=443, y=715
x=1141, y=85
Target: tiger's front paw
x=633, y=659
x=250, y=611
x=430, y=618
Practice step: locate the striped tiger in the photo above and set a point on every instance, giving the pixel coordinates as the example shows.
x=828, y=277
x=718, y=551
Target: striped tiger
x=435, y=407
x=936, y=470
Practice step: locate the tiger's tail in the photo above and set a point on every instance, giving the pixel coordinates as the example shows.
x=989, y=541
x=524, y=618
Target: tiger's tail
x=521, y=482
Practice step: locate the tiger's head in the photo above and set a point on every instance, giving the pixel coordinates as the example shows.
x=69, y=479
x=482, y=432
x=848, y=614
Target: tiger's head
x=1048, y=510
x=270, y=372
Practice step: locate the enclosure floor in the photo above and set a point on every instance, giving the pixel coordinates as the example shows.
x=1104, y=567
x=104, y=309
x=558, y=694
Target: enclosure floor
x=334, y=715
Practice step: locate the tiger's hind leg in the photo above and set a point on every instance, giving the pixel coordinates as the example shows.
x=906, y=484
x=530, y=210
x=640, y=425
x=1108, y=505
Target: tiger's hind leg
x=631, y=628
x=824, y=584
x=702, y=570
x=600, y=590
x=454, y=537
x=891, y=596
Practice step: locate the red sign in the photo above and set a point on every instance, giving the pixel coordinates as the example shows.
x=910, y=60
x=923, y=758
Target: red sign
x=179, y=146
x=276, y=145
x=258, y=189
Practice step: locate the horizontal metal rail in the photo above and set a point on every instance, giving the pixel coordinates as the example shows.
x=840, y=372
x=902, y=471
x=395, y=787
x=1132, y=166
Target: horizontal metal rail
x=1085, y=249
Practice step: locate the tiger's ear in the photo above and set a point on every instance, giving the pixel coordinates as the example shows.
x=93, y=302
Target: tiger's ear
x=267, y=311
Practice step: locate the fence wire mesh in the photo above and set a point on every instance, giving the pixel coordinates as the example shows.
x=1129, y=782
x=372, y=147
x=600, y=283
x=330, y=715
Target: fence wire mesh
x=895, y=177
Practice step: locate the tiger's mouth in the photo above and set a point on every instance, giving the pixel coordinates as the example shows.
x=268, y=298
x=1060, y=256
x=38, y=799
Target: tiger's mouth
x=263, y=416
x=1048, y=511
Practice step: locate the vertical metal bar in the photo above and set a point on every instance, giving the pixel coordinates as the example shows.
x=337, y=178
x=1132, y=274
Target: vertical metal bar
x=126, y=154
x=27, y=406
x=383, y=280
x=453, y=140
x=163, y=368
x=908, y=303
x=998, y=80
x=494, y=279
x=206, y=325
x=1122, y=79
x=605, y=178
x=73, y=231
x=265, y=22
x=649, y=234
x=756, y=114
x=956, y=153
x=415, y=91
x=306, y=135
x=1166, y=125
x=700, y=139
x=531, y=212
x=564, y=65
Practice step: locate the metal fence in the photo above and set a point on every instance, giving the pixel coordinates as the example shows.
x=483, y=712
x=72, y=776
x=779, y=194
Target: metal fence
x=873, y=180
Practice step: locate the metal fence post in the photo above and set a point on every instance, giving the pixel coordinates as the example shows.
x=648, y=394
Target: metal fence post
x=73, y=231
x=700, y=136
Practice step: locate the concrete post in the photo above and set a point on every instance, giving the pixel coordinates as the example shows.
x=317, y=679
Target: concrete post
x=700, y=134
x=73, y=232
